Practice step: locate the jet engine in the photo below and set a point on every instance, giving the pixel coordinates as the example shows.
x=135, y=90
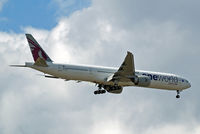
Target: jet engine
x=143, y=81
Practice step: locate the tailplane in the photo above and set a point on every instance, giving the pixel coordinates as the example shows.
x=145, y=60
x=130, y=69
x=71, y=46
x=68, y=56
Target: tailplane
x=38, y=53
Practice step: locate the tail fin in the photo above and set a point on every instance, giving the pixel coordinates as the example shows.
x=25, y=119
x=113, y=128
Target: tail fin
x=36, y=50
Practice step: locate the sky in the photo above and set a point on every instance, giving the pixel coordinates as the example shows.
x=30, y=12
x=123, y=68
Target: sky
x=162, y=35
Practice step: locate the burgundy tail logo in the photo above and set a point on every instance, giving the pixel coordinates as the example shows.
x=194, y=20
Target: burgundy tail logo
x=37, y=51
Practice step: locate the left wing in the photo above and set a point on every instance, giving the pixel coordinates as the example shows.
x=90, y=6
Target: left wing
x=126, y=70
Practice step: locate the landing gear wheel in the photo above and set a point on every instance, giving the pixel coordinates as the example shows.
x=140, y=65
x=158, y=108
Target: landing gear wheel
x=99, y=92
x=96, y=92
x=103, y=91
x=177, y=96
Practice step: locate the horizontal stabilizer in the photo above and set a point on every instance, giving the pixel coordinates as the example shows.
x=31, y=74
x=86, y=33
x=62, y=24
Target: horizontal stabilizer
x=49, y=76
x=18, y=66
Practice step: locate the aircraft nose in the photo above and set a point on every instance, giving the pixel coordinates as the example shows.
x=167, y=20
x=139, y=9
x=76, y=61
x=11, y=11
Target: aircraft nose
x=188, y=85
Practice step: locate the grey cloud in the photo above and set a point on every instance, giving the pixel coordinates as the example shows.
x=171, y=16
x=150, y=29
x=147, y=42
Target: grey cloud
x=135, y=11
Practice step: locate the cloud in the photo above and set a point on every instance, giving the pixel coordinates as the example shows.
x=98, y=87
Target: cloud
x=2, y=2
x=66, y=7
x=100, y=35
x=174, y=129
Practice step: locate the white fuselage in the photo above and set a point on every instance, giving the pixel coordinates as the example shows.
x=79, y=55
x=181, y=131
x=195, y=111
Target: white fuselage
x=100, y=75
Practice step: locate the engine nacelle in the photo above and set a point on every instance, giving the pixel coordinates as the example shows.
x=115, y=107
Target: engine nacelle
x=143, y=81
x=114, y=89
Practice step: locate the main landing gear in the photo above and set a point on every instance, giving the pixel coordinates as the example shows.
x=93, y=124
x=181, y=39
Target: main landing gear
x=99, y=91
x=178, y=92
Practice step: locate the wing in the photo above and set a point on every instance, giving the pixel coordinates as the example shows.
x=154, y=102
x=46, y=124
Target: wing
x=126, y=70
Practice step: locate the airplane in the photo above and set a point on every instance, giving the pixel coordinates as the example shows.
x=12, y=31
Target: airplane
x=108, y=79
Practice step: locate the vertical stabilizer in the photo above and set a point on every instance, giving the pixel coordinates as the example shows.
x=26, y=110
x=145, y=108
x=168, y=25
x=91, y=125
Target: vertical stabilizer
x=37, y=52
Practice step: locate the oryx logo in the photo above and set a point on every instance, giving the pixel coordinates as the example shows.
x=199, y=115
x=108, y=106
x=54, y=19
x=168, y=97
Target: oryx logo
x=36, y=50
x=40, y=54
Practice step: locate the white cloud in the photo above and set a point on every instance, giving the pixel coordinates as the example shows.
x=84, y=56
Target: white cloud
x=172, y=128
x=2, y=2
x=66, y=7
x=100, y=35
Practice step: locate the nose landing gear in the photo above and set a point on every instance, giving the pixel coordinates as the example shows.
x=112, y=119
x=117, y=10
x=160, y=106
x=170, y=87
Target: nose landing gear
x=178, y=92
